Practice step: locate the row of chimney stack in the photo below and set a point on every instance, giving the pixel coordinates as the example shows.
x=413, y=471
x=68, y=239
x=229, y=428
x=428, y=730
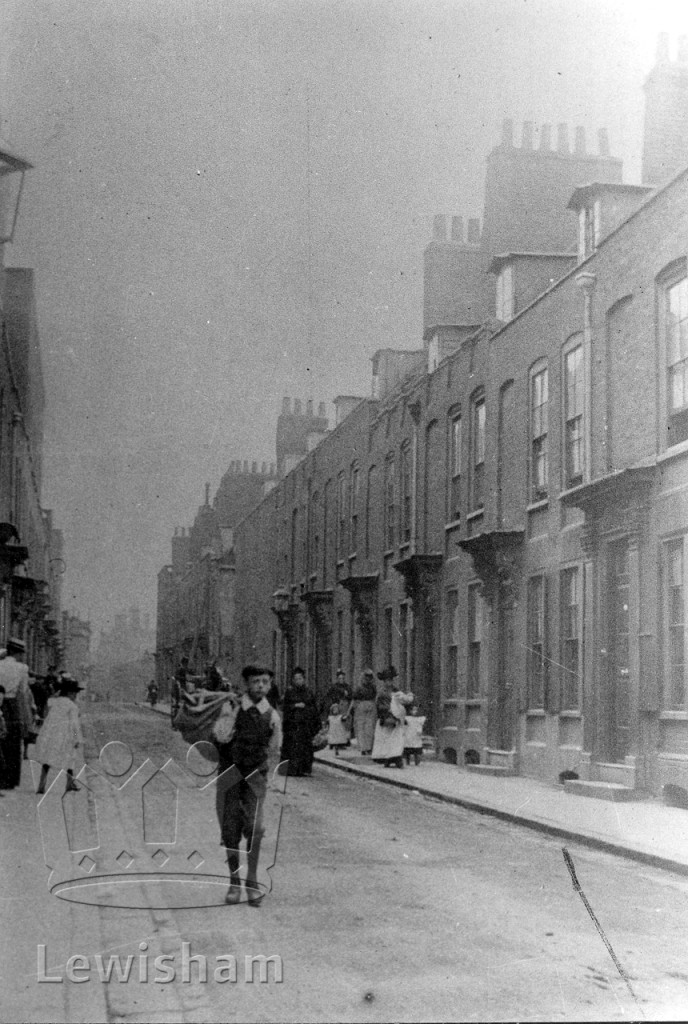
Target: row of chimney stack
x=545, y=145
x=236, y=466
x=439, y=229
x=287, y=410
x=663, y=56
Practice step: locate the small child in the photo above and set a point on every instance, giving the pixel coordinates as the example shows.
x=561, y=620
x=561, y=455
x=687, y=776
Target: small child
x=338, y=733
x=413, y=735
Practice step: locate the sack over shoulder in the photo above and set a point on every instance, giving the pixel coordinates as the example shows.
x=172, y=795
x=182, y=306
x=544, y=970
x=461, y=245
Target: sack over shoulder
x=196, y=723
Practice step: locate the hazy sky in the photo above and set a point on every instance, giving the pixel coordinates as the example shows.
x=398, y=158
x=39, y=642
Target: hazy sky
x=229, y=204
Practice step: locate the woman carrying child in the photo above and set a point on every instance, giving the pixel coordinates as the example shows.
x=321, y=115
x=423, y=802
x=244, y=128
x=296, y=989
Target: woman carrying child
x=388, y=746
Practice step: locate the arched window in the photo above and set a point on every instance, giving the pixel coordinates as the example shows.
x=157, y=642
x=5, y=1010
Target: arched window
x=405, y=493
x=478, y=451
x=574, y=426
x=538, y=391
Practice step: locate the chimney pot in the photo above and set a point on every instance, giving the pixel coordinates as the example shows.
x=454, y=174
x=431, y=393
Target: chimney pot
x=245, y=465
x=321, y=410
x=286, y=406
x=457, y=229
x=527, y=137
x=603, y=141
x=263, y=468
x=254, y=467
x=580, y=141
x=297, y=406
x=663, y=48
x=439, y=227
x=507, y=132
x=207, y=494
x=546, y=138
x=682, y=54
x=272, y=469
x=474, y=231
x=309, y=407
x=562, y=138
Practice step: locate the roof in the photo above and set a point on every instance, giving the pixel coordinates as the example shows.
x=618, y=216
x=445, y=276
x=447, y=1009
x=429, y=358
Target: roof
x=584, y=193
x=501, y=258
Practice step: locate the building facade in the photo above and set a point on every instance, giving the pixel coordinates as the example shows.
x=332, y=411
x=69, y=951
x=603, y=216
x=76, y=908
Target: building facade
x=505, y=518
x=31, y=563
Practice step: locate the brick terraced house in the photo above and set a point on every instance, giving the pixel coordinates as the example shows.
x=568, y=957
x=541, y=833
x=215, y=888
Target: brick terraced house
x=505, y=517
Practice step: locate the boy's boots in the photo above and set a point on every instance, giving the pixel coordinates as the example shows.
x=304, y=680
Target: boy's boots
x=254, y=893
x=234, y=891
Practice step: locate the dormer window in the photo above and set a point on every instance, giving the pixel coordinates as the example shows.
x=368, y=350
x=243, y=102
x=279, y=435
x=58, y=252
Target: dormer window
x=433, y=352
x=588, y=229
x=505, y=294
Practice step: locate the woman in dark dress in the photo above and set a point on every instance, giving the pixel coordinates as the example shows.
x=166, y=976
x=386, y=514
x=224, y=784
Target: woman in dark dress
x=300, y=723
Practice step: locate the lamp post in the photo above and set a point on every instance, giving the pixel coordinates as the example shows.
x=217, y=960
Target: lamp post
x=12, y=171
x=287, y=612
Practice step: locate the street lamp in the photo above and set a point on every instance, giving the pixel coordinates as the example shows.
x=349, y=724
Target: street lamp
x=12, y=171
x=280, y=602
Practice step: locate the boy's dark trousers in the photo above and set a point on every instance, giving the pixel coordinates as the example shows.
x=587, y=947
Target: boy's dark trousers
x=240, y=814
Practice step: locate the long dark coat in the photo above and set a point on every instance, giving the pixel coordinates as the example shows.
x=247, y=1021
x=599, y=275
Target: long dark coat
x=300, y=723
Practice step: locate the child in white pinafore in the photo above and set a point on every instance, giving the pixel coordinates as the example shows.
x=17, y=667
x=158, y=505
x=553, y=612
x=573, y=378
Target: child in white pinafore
x=337, y=732
x=60, y=743
x=413, y=735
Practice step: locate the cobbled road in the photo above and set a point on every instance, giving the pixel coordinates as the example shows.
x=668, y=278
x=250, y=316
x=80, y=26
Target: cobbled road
x=387, y=906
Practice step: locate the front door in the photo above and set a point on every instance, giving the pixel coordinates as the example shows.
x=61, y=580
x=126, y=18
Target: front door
x=502, y=706
x=425, y=693
x=617, y=706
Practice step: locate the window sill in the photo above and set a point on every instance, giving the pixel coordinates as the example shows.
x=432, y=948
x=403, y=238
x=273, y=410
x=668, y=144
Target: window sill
x=475, y=514
x=453, y=524
x=535, y=506
x=451, y=702
x=474, y=702
x=570, y=713
x=536, y=713
x=673, y=716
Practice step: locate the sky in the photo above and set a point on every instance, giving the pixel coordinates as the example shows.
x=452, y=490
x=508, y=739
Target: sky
x=229, y=204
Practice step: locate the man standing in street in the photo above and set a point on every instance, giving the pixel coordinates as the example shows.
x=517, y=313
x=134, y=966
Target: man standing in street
x=14, y=676
x=255, y=741
x=178, y=687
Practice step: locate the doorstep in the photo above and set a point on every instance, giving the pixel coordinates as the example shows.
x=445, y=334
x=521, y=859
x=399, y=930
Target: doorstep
x=613, y=791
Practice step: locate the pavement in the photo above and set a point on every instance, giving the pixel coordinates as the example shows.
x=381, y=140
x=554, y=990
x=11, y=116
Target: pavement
x=646, y=831
x=32, y=918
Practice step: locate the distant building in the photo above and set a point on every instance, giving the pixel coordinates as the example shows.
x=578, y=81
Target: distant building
x=76, y=641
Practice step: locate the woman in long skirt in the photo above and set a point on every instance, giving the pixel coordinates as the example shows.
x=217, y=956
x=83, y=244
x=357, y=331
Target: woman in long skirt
x=364, y=712
x=300, y=723
x=388, y=746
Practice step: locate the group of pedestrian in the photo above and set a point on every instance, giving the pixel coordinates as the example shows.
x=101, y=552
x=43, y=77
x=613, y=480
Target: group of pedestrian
x=36, y=709
x=384, y=721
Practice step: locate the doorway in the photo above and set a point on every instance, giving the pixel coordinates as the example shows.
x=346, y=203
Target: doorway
x=616, y=707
